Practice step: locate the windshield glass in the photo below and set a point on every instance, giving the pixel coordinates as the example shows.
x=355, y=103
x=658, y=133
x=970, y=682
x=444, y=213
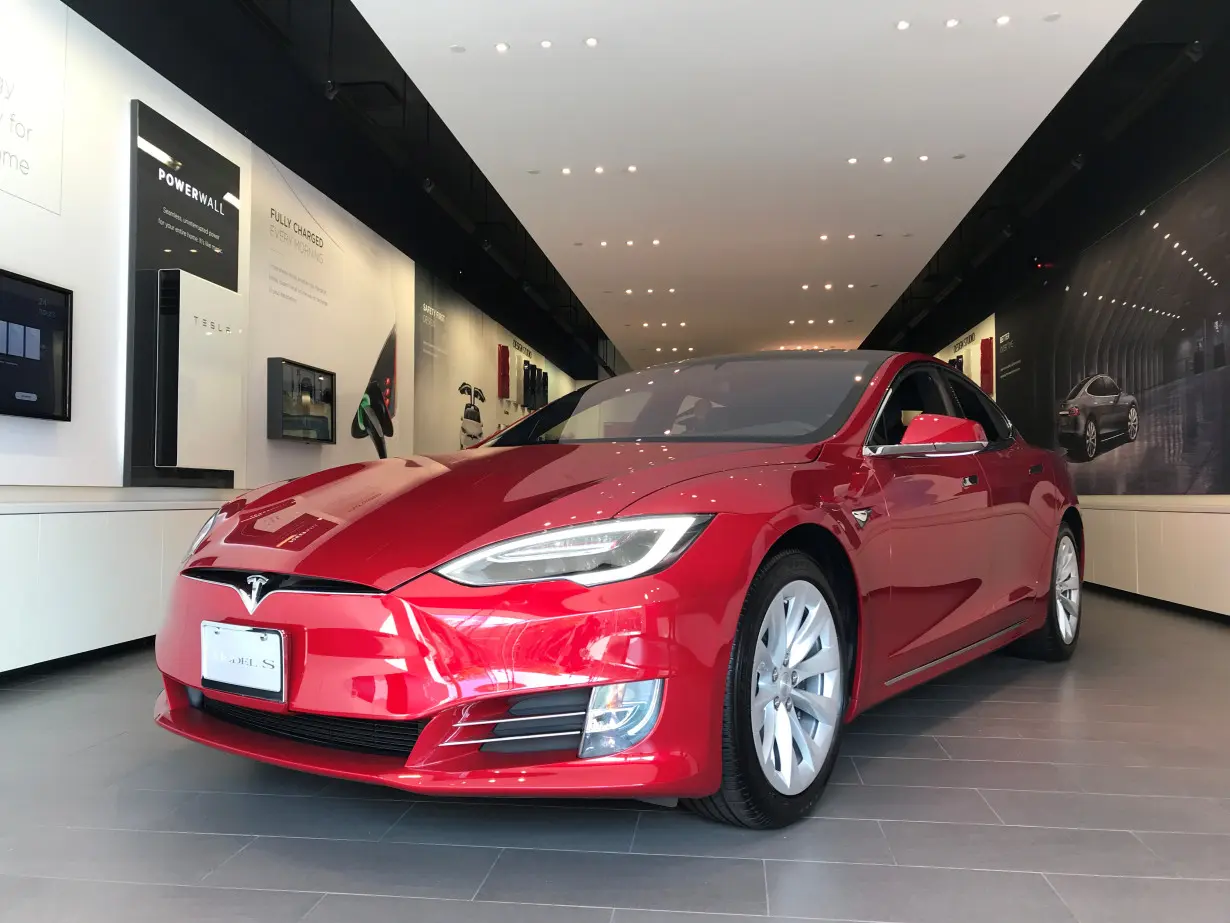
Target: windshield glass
x=743, y=399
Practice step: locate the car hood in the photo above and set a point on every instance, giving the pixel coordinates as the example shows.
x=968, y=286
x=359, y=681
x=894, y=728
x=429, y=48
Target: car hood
x=383, y=523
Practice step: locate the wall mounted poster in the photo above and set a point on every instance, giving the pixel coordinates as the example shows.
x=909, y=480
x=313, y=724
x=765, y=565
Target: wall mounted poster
x=1121, y=361
x=186, y=202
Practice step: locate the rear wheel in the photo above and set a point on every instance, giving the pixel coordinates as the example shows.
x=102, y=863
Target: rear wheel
x=1056, y=639
x=785, y=698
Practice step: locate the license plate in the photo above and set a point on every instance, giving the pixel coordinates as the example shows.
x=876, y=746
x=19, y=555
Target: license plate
x=242, y=660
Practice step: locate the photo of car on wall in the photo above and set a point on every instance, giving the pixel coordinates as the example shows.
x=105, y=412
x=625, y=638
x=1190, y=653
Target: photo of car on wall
x=1094, y=410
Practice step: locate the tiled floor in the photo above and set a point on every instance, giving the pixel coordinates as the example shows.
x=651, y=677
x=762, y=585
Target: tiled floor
x=1096, y=791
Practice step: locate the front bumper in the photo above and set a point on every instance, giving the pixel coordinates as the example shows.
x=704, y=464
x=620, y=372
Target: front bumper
x=449, y=656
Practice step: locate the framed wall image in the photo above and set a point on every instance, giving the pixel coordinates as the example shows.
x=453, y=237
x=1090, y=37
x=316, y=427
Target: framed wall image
x=301, y=403
x=36, y=321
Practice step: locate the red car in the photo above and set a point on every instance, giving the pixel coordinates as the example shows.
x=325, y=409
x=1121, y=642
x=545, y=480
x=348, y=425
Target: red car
x=674, y=584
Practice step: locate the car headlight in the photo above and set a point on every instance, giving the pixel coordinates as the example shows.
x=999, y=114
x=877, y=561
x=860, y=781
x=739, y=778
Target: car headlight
x=590, y=555
x=202, y=535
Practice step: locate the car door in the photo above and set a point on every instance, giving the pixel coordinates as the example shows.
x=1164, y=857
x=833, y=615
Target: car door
x=1102, y=395
x=937, y=510
x=1116, y=408
x=1022, y=525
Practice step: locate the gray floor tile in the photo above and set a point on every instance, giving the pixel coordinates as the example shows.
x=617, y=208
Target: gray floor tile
x=680, y=834
x=195, y=768
x=1150, y=780
x=351, y=867
x=1021, y=849
x=895, y=745
x=115, y=855
x=633, y=881
x=1044, y=777
x=1192, y=855
x=1124, y=900
x=889, y=802
x=1088, y=752
x=910, y=895
x=348, y=909
x=57, y=805
x=844, y=772
x=666, y=916
x=1111, y=812
x=286, y=815
x=45, y=900
x=495, y=824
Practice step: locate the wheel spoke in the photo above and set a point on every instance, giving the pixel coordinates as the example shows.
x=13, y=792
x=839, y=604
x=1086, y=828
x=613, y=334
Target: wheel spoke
x=775, y=630
x=762, y=719
x=821, y=707
x=809, y=633
x=784, y=739
x=813, y=758
x=822, y=661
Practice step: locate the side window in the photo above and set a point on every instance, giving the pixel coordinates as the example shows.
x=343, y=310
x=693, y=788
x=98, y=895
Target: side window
x=1101, y=387
x=974, y=405
x=914, y=393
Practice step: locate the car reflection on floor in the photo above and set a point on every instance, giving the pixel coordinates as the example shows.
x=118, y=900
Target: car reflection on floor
x=1182, y=447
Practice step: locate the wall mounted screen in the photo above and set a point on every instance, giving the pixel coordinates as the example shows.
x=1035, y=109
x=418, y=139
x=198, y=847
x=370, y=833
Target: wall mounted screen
x=35, y=348
x=301, y=402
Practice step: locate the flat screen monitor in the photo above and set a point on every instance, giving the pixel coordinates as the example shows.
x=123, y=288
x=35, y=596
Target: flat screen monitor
x=301, y=402
x=36, y=323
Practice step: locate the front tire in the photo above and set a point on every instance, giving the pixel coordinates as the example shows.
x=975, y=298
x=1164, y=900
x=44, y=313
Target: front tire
x=1133, y=423
x=1087, y=448
x=786, y=697
x=1056, y=640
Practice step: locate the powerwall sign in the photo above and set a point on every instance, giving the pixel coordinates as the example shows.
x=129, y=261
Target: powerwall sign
x=186, y=202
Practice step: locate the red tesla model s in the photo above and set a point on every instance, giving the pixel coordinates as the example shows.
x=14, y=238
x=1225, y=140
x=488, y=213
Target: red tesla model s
x=674, y=584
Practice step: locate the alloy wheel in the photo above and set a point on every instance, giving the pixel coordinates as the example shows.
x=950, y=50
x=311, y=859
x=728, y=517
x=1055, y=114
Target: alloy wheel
x=1133, y=427
x=1067, y=589
x=1091, y=438
x=796, y=687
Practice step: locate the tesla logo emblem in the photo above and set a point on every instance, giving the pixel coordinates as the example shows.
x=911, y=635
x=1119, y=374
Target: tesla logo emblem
x=861, y=517
x=252, y=598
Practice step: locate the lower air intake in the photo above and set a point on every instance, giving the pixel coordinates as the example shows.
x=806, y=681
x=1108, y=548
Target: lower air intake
x=361, y=735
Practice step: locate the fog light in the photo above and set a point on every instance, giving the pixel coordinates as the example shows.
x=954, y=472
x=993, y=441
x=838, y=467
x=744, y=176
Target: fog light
x=620, y=716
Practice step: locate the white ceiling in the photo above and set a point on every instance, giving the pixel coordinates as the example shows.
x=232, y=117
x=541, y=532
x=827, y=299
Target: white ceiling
x=740, y=116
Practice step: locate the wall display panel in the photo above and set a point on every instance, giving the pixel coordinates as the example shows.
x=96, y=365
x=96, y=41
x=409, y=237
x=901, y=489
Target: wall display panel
x=458, y=372
x=186, y=202
x=36, y=323
x=1121, y=361
x=973, y=355
x=33, y=42
x=300, y=402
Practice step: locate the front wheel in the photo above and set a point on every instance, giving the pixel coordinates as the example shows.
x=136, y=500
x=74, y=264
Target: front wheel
x=1056, y=639
x=1133, y=423
x=785, y=698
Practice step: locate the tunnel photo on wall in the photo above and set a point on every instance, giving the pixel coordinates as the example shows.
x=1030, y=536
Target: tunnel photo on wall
x=1121, y=360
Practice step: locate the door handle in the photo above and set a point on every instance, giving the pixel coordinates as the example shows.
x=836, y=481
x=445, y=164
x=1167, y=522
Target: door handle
x=1035, y=469
x=969, y=481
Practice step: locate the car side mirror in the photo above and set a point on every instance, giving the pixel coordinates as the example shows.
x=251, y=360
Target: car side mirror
x=930, y=434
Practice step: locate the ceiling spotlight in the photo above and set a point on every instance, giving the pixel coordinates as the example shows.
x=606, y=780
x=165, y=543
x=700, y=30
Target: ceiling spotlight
x=683, y=323
x=831, y=320
x=591, y=43
x=811, y=321
x=599, y=170
x=805, y=287
x=852, y=160
x=602, y=243
x=656, y=242
x=629, y=291
x=781, y=347
x=663, y=323
x=923, y=157
x=567, y=171
x=1003, y=20
x=902, y=26
x=824, y=237
x=851, y=285
x=632, y=168
x=671, y=290
x=689, y=349
x=545, y=43
x=501, y=47
x=828, y=286
x=629, y=243
x=953, y=23
x=649, y=291
x=792, y=322
x=659, y=349
x=1155, y=224
x=646, y=324
x=674, y=349
x=888, y=160
x=850, y=237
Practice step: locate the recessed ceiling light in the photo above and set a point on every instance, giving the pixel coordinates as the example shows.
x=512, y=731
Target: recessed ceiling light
x=567, y=171
x=1155, y=225
x=166, y=251
x=659, y=349
x=1052, y=17
x=689, y=349
x=629, y=291
x=1003, y=20
x=805, y=287
x=629, y=243
x=671, y=290
x=850, y=237
x=902, y=26
x=591, y=43
x=923, y=157
x=953, y=23
x=674, y=349
x=1167, y=237
x=599, y=170
x=649, y=291
x=781, y=347
x=545, y=43
x=646, y=324
x=824, y=237
x=683, y=323
x=958, y=156
x=602, y=243
x=501, y=47
x=663, y=323
x=851, y=285
x=888, y=160
x=457, y=49
x=632, y=168
x=852, y=160
x=656, y=242
x=831, y=320
x=792, y=322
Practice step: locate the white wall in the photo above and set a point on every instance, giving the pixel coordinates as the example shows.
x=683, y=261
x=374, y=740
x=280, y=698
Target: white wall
x=969, y=346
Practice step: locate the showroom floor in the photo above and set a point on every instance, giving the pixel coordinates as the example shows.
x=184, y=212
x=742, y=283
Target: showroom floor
x=1097, y=791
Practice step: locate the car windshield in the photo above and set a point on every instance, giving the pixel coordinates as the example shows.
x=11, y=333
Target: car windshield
x=1075, y=392
x=741, y=399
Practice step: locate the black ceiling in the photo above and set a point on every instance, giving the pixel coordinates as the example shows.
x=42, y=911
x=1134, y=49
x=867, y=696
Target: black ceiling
x=309, y=82
x=1151, y=108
